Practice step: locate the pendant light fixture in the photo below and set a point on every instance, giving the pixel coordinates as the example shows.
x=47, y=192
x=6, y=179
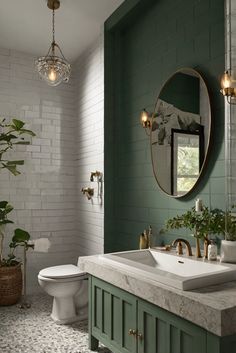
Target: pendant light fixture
x=53, y=68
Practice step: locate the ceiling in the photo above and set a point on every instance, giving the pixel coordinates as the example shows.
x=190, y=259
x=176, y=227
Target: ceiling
x=26, y=25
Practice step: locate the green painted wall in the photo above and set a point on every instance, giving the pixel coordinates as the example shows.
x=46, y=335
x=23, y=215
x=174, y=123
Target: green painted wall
x=145, y=42
x=183, y=92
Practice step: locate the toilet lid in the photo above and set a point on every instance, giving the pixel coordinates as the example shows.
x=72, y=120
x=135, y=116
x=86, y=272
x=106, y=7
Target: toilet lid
x=61, y=271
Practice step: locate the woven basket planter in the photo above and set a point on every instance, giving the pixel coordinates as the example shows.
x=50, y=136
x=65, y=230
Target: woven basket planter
x=10, y=284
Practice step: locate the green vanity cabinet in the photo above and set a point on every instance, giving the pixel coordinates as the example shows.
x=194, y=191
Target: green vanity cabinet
x=127, y=324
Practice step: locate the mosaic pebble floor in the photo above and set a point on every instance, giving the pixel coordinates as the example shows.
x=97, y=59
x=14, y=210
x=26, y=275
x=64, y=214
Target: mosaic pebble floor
x=33, y=331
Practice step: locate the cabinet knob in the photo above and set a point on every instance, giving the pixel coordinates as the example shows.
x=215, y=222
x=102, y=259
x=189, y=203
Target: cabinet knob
x=132, y=332
x=139, y=335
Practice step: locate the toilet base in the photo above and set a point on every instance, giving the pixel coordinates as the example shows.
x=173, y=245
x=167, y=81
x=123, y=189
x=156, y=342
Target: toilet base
x=65, y=321
x=82, y=313
x=64, y=311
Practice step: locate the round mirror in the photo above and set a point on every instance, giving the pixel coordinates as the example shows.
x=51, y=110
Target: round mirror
x=180, y=132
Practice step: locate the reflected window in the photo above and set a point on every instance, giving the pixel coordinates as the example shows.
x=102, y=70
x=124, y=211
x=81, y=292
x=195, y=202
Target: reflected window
x=186, y=159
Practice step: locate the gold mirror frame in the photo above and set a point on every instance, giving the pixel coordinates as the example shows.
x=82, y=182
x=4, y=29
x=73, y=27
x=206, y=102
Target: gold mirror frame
x=191, y=72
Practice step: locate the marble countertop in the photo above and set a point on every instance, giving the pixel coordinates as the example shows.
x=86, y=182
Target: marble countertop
x=213, y=307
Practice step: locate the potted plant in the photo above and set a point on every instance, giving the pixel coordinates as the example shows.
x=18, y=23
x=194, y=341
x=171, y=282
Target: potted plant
x=227, y=223
x=200, y=223
x=10, y=267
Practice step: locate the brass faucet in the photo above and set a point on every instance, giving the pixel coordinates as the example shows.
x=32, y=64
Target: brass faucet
x=179, y=242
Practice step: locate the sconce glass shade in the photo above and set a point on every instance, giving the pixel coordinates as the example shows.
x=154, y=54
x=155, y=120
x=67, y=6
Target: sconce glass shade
x=226, y=81
x=145, y=119
x=53, y=68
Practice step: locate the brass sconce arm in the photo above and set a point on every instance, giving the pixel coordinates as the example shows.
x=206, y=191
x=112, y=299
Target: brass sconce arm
x=89, y=192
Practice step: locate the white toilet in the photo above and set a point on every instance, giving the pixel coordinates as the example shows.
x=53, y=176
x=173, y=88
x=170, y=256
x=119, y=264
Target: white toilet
x=69, y=287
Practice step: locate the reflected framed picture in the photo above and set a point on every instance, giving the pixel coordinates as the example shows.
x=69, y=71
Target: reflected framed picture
x=187, y=155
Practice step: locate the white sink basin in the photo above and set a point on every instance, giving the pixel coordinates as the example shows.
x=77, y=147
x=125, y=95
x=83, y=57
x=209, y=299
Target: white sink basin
x=167, y=268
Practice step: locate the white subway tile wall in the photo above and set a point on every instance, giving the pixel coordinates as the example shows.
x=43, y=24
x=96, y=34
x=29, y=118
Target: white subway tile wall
x=68, y=121
x=89, y=98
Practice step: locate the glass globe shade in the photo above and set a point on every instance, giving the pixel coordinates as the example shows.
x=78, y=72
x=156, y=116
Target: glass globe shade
x=53, y=69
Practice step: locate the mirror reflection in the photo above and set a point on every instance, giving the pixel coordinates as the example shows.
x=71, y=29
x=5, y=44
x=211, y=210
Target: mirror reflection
x=180, y=132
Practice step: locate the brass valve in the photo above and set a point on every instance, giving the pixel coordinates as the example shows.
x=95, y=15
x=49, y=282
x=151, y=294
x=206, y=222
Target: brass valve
x=96, y=174
x=89, y=192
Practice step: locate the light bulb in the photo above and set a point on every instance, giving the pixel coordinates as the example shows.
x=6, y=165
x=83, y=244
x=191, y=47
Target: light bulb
x=144, y=117
x=226, y=81
x=52, y=75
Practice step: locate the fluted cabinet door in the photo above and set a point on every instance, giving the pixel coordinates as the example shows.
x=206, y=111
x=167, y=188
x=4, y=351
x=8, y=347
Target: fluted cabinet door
x=114, y=314
x=161, y=332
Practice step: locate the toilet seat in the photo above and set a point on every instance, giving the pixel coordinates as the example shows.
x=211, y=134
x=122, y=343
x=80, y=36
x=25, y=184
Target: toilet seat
x=61, y=272
x=62, y=280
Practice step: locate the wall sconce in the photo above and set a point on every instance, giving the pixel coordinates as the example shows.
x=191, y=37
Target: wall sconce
x=146, y=121
x=227, y=87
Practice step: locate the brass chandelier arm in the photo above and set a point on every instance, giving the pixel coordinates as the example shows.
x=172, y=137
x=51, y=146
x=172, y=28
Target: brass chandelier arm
x=56, y=45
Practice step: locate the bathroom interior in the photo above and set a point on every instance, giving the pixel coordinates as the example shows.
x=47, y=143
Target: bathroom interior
x=115, y=254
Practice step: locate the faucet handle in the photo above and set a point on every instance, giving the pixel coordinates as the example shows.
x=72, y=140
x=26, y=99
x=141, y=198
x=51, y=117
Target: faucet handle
x=179, y=248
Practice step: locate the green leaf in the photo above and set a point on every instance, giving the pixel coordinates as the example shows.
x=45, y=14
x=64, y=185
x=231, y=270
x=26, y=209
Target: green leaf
x=17, y=124
x=21, y=143
x=5, y=208
x=6, y=221
x=28, y=132
x=11, y=168
x=9, y=163
x=7, y=138
x=9, y=208
x=20, y=236
x=3, y=204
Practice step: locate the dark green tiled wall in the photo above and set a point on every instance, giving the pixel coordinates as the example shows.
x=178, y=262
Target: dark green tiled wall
x=151, y=46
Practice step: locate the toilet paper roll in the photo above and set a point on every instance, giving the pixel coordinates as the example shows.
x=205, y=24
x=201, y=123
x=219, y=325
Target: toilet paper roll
x=42, y=245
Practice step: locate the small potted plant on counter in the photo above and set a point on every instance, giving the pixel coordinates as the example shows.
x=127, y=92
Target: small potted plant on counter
x=10, y=267
x=227, y=222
